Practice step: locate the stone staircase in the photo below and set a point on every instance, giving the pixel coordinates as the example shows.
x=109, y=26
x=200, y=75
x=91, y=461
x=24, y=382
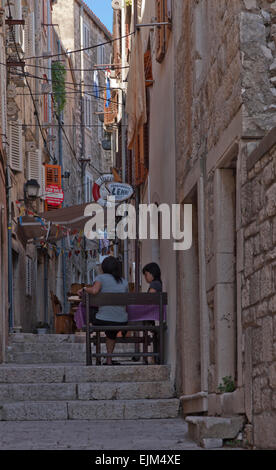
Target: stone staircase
x=45, y=378
x=25, y=348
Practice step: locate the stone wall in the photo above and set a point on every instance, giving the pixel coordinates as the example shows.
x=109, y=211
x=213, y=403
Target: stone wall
x=259, y=291
x=208, y=71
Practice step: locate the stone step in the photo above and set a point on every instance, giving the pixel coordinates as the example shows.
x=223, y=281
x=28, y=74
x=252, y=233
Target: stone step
x=85, y=391
x=201, y=428
x=15, y=338
x=68, y=373
x=52, y=349
x=89, y=410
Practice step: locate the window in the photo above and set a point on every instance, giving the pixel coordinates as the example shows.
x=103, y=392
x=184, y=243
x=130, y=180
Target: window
x=15, y=33
x=3, y=112
x=29, y=35
x=45, y=15
x=87, y=111
x=52, y=176
x=45, y=102
x=15, y=146
x=34, y=166
x=86, y=36
x=100, y=53
x=88, y=188
x=29, y=278
x=162, y=32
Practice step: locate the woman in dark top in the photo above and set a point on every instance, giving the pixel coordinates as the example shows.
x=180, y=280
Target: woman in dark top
x=152, y=275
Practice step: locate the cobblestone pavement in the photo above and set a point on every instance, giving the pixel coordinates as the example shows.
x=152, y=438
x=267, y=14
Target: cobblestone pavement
x=168, y=434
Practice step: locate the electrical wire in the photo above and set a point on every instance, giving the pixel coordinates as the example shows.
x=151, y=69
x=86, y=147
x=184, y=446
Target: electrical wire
x=46, y=57
x=48, y=80
x=71, y=89
x=28, y=85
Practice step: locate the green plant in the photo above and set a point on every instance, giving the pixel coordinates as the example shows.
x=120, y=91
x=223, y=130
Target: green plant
x=58, y=80
x=128, y=3
x=228, y=385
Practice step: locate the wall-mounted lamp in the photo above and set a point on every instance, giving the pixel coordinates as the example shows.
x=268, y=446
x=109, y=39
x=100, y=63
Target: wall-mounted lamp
x=31, y=189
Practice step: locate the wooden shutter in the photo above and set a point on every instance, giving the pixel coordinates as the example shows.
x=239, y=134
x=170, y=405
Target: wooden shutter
x=29, y=35
x=3, y=104
x=44, y=14
x=141, y=170
x=52, y=176
x=160, y=30
x=29, y=277
x=34, y=166
x=148, y=68
x=42, y=179
x=110, y=113
x=15, y=146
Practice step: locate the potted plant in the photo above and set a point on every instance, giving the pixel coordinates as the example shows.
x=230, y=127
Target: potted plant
x=42, y=328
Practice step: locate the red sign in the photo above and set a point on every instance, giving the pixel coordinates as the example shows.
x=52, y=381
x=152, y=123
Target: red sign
x=54, y=195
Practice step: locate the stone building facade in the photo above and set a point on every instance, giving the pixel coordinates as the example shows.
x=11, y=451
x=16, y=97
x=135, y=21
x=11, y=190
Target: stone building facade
x=224, y=104
x=80, y=29
x=33, y=139
x=258, y=291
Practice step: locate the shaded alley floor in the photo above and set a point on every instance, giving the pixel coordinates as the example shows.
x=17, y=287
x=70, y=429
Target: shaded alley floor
x=156, y=434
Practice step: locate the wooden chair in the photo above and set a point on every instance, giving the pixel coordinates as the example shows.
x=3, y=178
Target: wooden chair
x=63, y=323
x=93, y=333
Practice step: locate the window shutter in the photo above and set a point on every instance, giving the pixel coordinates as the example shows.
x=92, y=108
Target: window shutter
x=148, y=68
x=15, y=146
x=160, y=31
x=53, y=175
x=42, y=179
x=29, y=277
x=3, y=105
x=34, y=166
x=29, y=35
x=141, y=156
x=18, y=28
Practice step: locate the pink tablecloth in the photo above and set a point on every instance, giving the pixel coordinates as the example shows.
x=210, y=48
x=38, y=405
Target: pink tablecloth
x=144, y=312
x=135, y=313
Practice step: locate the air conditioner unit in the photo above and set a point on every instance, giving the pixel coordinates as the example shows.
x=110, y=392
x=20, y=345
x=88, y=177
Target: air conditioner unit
x=117, y=4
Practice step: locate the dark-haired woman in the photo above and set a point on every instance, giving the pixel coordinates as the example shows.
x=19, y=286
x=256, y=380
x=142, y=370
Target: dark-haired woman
x=112, y=282
x=152, y=275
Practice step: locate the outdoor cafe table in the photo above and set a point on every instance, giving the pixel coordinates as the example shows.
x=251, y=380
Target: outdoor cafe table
x=135, y=313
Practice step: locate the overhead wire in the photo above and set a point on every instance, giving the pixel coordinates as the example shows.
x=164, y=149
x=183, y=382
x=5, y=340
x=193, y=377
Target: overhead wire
x=68, y=53
x=28, y=85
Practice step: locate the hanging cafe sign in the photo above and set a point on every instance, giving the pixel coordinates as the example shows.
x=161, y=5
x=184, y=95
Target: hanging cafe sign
x=105, y=187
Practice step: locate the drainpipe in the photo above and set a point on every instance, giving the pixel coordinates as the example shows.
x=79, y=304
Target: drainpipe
x=10, y=270
x=124, y=178
x=60, y=150
x=49, y=74
x=46, y=262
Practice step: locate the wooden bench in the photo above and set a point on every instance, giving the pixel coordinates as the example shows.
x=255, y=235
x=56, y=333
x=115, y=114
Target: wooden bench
x=93, y=332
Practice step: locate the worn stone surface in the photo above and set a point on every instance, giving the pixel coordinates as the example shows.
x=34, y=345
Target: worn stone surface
x=201, y=427
x=260, y=282
x=168, y=434
x=211, y=443
x=124, y=409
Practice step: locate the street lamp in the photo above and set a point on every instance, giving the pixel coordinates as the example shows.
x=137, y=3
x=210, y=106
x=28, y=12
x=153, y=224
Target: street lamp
x=32, y=189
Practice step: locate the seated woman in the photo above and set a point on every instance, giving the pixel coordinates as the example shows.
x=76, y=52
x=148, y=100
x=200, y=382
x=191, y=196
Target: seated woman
x=152, y=275
x=112, y=282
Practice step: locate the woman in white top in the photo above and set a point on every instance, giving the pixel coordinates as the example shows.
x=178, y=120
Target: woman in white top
x=110, y=281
